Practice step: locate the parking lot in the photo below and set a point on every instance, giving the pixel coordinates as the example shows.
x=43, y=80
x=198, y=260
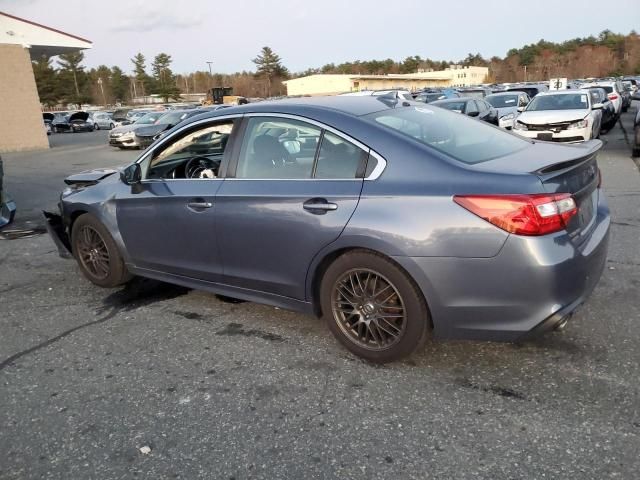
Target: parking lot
x=215, y=389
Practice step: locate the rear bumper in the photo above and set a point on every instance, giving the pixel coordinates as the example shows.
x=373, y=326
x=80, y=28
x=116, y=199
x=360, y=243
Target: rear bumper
x=528, y=288
x=57, y=231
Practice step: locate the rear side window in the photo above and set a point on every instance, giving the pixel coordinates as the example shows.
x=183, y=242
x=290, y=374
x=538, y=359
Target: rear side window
x=339, y=158
x=459, y=137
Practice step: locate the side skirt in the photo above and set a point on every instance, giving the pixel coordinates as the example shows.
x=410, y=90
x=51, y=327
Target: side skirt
x=227, y=290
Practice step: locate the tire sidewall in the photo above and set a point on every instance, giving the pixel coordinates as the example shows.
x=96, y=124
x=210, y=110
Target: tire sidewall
x=117, y=271
x=417, y=314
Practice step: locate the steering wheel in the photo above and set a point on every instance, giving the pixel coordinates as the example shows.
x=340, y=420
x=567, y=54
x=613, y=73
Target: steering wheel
x=200, y=167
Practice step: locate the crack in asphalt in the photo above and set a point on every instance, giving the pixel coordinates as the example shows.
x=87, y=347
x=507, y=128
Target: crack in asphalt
x=9, y=361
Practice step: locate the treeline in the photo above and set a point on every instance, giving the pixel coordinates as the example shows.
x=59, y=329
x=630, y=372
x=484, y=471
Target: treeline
x=68, y=81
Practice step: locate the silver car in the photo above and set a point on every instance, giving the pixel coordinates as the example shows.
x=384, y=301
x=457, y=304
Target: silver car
x=507, y=104
x=393, y=220
x=102, y=120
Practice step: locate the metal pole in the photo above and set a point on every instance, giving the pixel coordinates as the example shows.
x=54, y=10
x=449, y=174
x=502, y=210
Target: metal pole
x=210, y=74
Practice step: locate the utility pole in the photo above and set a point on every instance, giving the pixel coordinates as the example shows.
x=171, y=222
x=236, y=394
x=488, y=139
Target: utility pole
x=104, y=99
x=525, y=73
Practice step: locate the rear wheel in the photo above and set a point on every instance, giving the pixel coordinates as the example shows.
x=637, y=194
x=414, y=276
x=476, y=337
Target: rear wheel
x=373, y=307
x=97, y=253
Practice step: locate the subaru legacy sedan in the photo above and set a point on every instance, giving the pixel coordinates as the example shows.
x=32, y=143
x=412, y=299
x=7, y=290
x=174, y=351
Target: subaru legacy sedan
x=393, y=220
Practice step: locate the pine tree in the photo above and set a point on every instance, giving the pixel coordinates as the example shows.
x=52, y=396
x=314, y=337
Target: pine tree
x=70, y=65
x=164, y=77
x=46, y=81
x=269, y=65
x=143, y=83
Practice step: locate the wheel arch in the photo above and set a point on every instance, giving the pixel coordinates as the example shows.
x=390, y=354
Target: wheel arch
x=322, y=262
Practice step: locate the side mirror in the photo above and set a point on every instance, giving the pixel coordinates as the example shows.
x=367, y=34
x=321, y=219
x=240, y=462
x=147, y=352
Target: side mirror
x=473, y=114
x=597, y=106
x=131, y=175
x=521, y=109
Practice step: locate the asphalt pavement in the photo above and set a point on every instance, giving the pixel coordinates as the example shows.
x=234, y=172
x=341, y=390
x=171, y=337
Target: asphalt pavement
x=157, y=381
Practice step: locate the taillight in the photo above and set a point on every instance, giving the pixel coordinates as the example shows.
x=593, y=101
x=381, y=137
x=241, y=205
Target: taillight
x=537, y=214
x=612, y=96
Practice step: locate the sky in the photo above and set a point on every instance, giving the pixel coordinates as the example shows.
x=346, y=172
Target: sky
x=312, y=33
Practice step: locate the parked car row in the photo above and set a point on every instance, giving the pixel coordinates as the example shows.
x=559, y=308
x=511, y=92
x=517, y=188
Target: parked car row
x=144, y=127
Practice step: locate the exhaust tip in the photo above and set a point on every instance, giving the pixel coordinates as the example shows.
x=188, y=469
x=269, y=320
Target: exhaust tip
x=561, y=324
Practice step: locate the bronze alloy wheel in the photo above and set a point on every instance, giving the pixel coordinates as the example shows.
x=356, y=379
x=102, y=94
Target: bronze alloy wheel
x=368, y=309
x=93, y=252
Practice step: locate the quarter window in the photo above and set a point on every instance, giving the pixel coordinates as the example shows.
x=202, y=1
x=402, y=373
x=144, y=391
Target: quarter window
x=339, y=158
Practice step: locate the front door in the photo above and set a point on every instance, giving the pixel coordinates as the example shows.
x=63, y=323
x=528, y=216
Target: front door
x=167, y=222
x=292, y=192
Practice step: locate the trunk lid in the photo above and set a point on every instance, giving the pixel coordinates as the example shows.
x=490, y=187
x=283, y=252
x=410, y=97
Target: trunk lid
x=561, y=169
x=580, y=178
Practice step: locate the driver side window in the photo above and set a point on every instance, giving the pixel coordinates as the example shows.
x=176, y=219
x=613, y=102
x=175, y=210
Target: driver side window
x=196, y=154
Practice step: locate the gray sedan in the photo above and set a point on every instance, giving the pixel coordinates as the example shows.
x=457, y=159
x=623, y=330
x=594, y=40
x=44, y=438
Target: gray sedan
x=393, y=220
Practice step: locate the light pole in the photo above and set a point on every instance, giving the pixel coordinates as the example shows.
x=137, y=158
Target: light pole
x=210, y=74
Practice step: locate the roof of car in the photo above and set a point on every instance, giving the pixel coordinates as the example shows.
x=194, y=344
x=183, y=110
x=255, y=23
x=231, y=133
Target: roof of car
x=351, y=105
x=558, y=92
x=504, y=94
x=453, y=100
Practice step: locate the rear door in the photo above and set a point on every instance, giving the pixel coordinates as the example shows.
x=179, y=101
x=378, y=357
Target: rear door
x=290, y=192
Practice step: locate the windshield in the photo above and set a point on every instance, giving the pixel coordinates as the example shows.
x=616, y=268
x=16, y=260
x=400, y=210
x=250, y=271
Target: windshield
x=148, y=119
x=453, y=106
x=462, y=138
x=430, y=97
x=503, y=101
x=575, y=101
x=172, y=118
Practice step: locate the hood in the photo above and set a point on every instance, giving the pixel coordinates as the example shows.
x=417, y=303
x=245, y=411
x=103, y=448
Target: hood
x=89, y=177
x=82, y=116
x=152, y=130
x=127, y=128
x=48, y=117
x=552, y=116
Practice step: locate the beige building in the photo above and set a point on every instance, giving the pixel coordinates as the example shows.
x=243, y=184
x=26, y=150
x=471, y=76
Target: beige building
x=321, y=84
x=21, y=124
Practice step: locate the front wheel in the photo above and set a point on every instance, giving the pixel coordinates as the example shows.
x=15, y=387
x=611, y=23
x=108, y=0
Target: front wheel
x=373, y=307
x=96, y=126
x=97, y=253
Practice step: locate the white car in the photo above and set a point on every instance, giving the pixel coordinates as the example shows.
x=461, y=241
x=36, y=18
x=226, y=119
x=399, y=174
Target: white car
x=613, y=90
x=560, y=116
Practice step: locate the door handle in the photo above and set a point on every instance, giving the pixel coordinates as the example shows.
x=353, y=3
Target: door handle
x=319, y=206
x=199, y=205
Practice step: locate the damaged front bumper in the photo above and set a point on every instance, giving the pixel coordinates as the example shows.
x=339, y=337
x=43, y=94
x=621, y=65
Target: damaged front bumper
x=57, y=231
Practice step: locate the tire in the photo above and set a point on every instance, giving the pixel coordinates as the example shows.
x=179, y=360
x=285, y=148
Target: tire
x=55, y=129
x=625, y=109
x=96, y=126
x=111, y=126
x=96, y=253
x=382, y=329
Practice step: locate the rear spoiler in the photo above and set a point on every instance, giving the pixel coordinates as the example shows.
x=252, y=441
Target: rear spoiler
x=591, y=147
